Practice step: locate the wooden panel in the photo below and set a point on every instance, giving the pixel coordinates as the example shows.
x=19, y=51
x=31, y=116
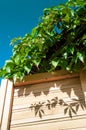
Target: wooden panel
x=83, y=81
x=25, y=95
x=52, y=113
x=63, y=84
x=77, y=123
x=46, y=77
x=63, y=89
x=3, y=90
x=41, y=89
x=7, y=107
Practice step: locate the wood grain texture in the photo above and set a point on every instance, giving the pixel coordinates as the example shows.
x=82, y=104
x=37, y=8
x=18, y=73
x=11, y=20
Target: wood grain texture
x=7, y=107
x=60, y=89
x=3, y=90
x=63, y=89
x=83, y=81
x=62, y=85
x=76, y=123
x=46, y=77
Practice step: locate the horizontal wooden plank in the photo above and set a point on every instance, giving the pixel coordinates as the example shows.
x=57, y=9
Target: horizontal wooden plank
x=20, y=114
x=28, y=113
x=27, y=101
x=40, y=92
x=55, y=124
x=46, y=77
x=40, y=88
x=26, y=105
x=63, y=89
x=63, y=84
x=77, y=128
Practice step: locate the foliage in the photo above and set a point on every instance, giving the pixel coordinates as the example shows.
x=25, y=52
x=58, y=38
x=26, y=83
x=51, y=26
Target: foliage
x=57, y=42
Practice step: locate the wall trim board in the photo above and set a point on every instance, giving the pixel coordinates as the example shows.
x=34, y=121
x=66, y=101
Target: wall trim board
x=7, y=107
x=3, y=91
x=8, y=88
x=46, y=77
x=83, y=81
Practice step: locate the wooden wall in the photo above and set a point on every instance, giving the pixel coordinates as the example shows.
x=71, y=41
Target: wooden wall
x=46, y=101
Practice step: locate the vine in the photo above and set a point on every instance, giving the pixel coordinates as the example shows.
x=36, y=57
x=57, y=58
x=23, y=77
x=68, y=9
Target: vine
x=57, y=42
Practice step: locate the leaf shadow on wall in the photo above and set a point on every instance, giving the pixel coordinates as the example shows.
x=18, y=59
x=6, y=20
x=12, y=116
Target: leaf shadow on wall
x=66, y=93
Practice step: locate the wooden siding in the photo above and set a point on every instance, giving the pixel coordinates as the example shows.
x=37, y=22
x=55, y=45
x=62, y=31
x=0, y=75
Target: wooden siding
x=6, y=116
x=3, y=90
x=48, y=101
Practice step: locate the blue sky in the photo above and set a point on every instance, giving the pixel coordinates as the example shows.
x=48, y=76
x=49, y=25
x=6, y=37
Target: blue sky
x=18, y=17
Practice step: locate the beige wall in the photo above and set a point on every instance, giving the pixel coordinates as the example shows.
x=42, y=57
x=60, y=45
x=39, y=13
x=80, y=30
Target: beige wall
x=45, y=116
x=49, y=101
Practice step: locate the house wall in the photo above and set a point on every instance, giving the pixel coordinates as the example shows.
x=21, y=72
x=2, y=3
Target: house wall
x=49, y=101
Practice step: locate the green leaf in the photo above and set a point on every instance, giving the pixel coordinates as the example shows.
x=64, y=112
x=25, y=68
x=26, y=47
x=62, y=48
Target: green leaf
x=72, y=50
x=17, y=59
x=65, y=55
x=54, y=63
x=47, y=49
x=80, y=56
x=14, y=78
x=27, y=69
x=33, y=33
x=14, y=40
x=8, y=69
x=36, y=62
